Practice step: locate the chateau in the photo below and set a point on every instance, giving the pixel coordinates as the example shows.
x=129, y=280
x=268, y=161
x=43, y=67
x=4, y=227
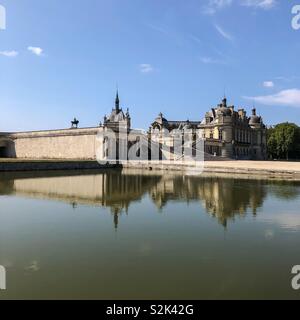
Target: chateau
x=227, y=134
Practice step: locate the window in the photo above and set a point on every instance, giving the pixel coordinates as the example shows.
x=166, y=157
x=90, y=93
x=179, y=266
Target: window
x=220, y=135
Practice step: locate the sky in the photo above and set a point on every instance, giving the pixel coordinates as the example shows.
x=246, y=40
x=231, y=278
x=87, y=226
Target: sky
x=64, y=59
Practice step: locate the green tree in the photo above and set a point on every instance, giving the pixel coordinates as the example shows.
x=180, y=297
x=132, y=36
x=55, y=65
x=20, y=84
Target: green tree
x=283, y=141
x=271, y=143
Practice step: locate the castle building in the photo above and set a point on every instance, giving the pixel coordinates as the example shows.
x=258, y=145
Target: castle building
x=227, y=134
x=230, y=133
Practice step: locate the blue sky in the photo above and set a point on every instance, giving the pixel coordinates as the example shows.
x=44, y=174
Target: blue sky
x=63, y=59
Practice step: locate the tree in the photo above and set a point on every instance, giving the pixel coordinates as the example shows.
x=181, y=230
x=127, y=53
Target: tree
x=283, y=141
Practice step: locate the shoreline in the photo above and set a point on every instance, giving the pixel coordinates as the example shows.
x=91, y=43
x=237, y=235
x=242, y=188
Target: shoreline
x=264, y=168
x=242, y=167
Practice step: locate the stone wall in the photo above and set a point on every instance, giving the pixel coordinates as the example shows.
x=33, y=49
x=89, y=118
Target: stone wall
x=55, y=144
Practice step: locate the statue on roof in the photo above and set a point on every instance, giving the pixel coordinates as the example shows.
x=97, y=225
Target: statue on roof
x=74, y=123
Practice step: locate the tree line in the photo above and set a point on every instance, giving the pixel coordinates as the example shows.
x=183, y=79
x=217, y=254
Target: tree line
x=283, y=141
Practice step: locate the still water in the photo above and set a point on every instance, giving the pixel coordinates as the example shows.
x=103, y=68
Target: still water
x=147, y=235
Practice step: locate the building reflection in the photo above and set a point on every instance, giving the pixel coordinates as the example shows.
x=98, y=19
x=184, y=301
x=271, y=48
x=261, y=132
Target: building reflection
x=223, y=198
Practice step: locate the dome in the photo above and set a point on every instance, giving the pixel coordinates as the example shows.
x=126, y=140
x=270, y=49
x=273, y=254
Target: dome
x=225, y=111
x=254, y=119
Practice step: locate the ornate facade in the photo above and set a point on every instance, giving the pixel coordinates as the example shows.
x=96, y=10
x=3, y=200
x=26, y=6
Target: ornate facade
x=227, y=133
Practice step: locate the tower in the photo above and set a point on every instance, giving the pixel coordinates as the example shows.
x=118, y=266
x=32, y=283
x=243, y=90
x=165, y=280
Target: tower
x=117, y=119
x=117, y=102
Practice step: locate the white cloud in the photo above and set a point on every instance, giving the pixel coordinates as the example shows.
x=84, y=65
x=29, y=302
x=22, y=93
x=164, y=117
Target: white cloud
x=146, y=68
x=214, y=5
x=263, y=4
x=223, y=33
x=268, y=84
x=209, y=60
x=35, y=50
x=195, y=38
x=10, y=54
x=289, y=97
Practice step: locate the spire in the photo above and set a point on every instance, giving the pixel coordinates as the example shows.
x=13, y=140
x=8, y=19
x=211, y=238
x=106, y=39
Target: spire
x=254, y=109
x=224, y=102
x=117, y=102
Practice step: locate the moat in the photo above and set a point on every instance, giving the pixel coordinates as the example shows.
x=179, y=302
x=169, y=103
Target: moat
x=134, y=234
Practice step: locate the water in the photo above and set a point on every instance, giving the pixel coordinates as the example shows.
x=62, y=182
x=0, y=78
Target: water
x=144, y=235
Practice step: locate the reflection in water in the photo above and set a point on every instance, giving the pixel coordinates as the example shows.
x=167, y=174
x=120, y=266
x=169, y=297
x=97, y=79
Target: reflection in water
x=169, y=247
x=223, y=197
